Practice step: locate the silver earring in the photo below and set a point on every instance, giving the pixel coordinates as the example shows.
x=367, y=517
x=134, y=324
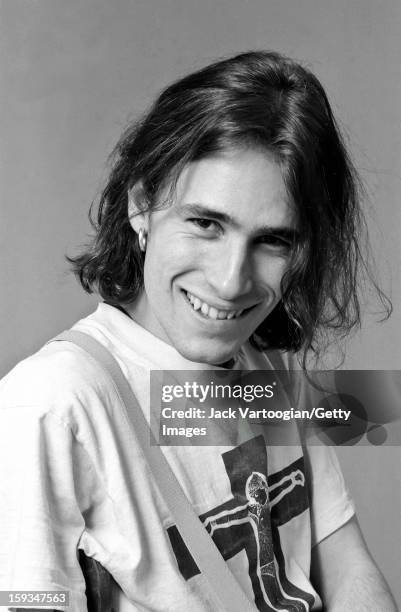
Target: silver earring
x=142, y=239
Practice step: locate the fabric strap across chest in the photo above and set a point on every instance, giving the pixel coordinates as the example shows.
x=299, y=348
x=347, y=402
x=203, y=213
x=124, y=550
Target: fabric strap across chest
x=228, y=594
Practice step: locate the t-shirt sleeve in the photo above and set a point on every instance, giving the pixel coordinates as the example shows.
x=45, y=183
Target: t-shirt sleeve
x=42, y=500
x=331, y=504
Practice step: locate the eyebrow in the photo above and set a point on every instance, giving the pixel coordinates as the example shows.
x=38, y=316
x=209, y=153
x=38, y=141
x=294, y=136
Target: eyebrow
x=200, y=210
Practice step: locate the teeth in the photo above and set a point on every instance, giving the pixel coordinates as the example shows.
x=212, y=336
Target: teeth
x=211, y=311
x=205, y=308
x=197, y=303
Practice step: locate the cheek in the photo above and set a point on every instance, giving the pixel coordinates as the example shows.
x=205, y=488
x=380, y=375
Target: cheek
x=271, y=274
x=167, y=258
x=279, y=277
x=175, y=252
x=153, y=272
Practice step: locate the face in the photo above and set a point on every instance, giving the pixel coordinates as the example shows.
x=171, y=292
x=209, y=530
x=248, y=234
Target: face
x=216, y=257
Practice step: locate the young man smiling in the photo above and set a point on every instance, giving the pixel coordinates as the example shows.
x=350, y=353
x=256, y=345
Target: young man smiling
x=228, y=231
x=225, y=243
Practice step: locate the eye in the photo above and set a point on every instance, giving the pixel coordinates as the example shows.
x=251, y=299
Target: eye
x=205, y=224
x=276, y=242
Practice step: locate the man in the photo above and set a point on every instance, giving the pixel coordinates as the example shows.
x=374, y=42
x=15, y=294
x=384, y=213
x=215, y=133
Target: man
x=227, y=232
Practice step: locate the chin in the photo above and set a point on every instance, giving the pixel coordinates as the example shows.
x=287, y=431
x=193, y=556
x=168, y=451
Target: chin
x=213, y=356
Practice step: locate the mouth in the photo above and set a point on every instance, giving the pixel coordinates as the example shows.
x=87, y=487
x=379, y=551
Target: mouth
x=211, y=312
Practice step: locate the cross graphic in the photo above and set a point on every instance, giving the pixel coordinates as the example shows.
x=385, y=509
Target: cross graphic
x=249, y=522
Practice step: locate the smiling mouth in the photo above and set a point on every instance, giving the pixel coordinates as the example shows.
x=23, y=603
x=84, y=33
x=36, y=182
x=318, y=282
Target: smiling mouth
x=210, y=312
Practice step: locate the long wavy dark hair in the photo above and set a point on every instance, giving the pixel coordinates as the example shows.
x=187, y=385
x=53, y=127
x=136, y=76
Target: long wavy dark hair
x=260, y=99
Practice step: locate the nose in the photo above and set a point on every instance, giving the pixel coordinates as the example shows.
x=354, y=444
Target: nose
x=231, y=271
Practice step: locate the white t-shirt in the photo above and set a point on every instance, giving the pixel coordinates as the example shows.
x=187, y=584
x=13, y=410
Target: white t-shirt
x=72, y=478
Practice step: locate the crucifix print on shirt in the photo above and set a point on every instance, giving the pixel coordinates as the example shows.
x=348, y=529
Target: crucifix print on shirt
x=250, y=522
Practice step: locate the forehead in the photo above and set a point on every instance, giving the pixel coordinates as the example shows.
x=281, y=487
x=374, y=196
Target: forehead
x=246, y=185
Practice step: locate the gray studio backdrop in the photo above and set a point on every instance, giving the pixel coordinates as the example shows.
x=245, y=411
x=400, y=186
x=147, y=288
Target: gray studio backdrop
x=72, y=73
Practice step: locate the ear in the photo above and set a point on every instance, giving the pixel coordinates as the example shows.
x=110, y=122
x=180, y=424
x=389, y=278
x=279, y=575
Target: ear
x=138, y=217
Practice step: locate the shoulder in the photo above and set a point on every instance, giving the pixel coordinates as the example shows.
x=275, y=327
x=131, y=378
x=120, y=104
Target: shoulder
x=58, y=378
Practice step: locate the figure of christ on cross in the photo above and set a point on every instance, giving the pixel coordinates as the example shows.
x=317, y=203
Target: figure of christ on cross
x=250, y=522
